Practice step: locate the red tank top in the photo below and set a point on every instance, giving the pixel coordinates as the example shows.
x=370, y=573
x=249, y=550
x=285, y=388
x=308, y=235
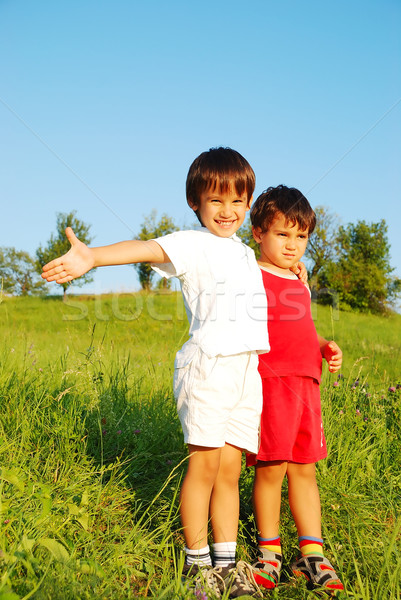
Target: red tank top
x=294, y=344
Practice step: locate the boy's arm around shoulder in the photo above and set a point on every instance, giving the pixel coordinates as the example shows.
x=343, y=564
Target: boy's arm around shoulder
x=332, y=353
x=80, y=259
x=300, y=270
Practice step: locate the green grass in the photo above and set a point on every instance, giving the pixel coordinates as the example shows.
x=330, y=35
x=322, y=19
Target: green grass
x=91, y=453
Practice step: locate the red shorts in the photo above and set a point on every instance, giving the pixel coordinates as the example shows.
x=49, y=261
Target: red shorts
x=291, y=423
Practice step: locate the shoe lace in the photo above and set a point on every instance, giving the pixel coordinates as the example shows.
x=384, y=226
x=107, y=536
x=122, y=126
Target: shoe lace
x=244, y=578
x=211, y=580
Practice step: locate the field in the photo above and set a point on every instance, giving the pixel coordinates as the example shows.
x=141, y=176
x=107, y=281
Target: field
x=92, y=457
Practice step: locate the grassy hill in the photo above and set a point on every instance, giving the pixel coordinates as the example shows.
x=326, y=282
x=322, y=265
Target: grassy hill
x=92, y=456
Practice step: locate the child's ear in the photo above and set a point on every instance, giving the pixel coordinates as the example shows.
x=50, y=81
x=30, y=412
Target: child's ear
x=193, y=204
x=249, y=203
x=257, y=234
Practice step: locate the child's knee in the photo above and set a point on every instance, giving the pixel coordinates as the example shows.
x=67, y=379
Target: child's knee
x=203, y=464
x=270, y=472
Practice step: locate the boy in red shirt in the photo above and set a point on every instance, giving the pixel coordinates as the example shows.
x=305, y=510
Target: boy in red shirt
x=292, y=438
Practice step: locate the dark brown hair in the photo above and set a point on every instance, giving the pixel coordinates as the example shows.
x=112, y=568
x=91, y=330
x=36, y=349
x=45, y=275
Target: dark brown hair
x=219, y=168
x=290, y=202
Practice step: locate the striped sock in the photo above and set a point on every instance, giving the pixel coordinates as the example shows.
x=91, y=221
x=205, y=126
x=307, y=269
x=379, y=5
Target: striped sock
x=310, y=545
x=224, y=553
x=198, y=556
x=269, y=565
x=272, y=544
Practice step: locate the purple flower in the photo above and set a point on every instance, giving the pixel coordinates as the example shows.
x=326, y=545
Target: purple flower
x=136, y=431
x=104, y=432
x=391, y=389
x=336, y=384
x=119, y=432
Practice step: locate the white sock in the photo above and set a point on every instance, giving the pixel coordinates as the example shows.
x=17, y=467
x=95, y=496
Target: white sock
x=224, y=553
x=198, y=556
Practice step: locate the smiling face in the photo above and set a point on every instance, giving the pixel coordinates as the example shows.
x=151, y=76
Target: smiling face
x=282, y=245
x=222, y=213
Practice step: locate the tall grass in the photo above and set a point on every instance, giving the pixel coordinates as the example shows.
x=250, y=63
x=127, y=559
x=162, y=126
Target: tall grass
x=91, y=454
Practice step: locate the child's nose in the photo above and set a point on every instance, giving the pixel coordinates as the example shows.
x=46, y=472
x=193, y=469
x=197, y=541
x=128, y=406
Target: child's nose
x=226, y=210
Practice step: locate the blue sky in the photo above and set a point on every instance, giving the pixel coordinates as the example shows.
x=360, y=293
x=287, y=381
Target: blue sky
x=104, y=105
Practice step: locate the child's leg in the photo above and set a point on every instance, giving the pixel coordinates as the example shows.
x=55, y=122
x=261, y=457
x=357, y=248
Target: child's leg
x=203, y=466
x=267, y=501
x=267, y=496
x=224, y=506
x=304, y=501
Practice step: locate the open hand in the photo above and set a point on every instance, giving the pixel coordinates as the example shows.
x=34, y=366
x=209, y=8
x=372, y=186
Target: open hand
x=76, y=262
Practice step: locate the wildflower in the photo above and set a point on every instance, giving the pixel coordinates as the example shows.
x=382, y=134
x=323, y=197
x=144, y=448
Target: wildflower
x=365, y=419
x=357, y=412
x=119, y=432
x=398, y=386
x=340, y=376
x=104, y=432
x=169, y=462
x=40, y=370
x=336, y=384
x=104, y=421
x=6, y=521
x=340, y=412
x=136, y=431
x=391, y=389
x=12, y=350
x=353, y=388
x=356, y=382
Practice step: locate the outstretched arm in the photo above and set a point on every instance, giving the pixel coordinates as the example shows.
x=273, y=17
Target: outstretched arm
x=80, y=259
x=332, y=353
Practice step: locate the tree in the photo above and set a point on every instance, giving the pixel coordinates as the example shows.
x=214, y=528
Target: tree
x=18, y=273
x=245, y=234
x=151, y=229
x=58, y=245
x=321, y=248
x=361, y=274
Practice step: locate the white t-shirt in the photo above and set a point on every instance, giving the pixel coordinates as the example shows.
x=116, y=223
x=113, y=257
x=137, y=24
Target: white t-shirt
x=223, y=293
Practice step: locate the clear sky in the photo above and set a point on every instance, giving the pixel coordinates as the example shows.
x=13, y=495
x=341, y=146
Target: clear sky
x=104, y=105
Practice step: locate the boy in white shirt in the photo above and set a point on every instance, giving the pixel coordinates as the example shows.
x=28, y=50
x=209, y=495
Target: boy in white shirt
x=216, y=382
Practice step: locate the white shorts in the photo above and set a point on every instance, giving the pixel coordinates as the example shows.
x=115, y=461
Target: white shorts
x=219, y=400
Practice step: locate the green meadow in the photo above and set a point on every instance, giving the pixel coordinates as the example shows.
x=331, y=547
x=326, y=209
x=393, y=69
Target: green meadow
x=92, y=457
